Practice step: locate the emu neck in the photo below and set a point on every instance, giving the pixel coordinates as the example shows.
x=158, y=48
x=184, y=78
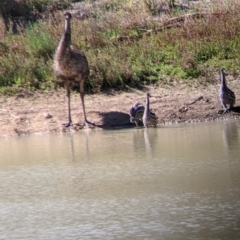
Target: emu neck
x=223, y=81
x=147, y=104
x=66, y=39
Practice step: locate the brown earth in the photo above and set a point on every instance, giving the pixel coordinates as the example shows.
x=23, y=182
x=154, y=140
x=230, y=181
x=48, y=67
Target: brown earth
x=29, y=113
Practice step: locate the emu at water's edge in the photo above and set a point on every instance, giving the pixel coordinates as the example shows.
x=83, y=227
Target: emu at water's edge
x=149, y=118
x=227, y=96
x=70, y=67
x=136, y=113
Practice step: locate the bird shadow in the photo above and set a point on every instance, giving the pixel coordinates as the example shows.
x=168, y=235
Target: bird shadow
x=233, y=109
x=115, y=120
x=236, y=109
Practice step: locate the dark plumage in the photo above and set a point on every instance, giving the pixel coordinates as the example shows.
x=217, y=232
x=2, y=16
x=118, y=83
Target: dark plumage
x=136, y=113
x=70, y=66
x=227, y=96
x=149, y=118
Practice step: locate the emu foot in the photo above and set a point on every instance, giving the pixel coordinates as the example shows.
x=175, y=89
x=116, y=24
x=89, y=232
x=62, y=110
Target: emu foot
x=68, y=124
x=224, y=111
x=88, y=124
x=220, y=112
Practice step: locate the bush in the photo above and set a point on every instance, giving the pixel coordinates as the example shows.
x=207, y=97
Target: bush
x=39, y=42
x=123, y=46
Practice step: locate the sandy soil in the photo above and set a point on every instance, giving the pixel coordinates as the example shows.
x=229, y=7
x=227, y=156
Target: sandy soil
x=29, y=113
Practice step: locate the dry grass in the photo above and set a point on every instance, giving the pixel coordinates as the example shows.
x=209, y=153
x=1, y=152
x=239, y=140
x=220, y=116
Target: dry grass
x=114, y=36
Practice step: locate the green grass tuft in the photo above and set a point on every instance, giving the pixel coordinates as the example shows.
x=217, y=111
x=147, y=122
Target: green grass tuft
x=119, y=48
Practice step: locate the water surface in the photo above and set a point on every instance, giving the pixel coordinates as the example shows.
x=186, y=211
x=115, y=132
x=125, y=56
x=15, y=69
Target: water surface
x=174, y=182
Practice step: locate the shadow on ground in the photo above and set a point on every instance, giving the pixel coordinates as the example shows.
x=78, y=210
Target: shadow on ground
x=233, y=109
x=236, y=109
x=114, y=119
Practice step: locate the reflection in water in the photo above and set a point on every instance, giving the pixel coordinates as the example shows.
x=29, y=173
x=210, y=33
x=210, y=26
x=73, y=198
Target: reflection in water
x=72, y=149
x=74, y=144
x=164, y=183
x=150, y=140
x=84, y=143
x=230, y=134
x=144, y=142
x=147, y=142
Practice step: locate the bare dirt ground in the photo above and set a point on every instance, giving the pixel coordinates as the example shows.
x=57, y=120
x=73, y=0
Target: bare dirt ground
x=30, y=113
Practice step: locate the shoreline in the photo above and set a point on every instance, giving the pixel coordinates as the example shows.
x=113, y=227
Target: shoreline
x=44, y=113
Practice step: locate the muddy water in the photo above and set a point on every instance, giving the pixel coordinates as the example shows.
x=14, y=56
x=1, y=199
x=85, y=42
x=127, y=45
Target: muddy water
x=176, y=182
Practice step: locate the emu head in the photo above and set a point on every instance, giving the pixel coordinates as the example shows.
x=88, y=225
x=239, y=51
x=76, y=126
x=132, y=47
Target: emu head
x=68, y=15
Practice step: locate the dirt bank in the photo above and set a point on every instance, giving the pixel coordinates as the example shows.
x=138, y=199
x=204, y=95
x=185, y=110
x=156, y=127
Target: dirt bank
x=29, y=113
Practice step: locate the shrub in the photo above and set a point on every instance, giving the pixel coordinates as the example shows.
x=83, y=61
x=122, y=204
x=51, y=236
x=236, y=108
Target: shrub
x=124, y=47
x=39, y=42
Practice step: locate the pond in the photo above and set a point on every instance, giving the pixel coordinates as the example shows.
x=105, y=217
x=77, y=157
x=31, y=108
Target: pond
x=172, y=182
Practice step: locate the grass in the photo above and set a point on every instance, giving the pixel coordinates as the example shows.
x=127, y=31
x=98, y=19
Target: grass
x=119, y=54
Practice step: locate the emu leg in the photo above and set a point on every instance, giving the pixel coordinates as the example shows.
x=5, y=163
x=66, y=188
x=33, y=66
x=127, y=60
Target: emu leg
x=226, y=110
x=86, y=122
x=69, y=123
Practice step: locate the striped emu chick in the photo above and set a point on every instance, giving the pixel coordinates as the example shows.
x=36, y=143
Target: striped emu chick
x=149, y=118
x=227, y=96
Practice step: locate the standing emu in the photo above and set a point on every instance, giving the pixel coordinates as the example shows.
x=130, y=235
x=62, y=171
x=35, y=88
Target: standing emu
x=136, y=114
x=70, y=67
x=226, y=95
x=149, y=118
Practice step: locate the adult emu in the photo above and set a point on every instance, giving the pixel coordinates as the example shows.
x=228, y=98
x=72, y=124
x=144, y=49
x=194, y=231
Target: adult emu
x=70, y=67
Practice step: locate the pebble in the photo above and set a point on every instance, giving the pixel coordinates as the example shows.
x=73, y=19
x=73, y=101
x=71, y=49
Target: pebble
x=47, y=115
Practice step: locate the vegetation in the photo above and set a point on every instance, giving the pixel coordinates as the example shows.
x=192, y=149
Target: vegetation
x=126, y=46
